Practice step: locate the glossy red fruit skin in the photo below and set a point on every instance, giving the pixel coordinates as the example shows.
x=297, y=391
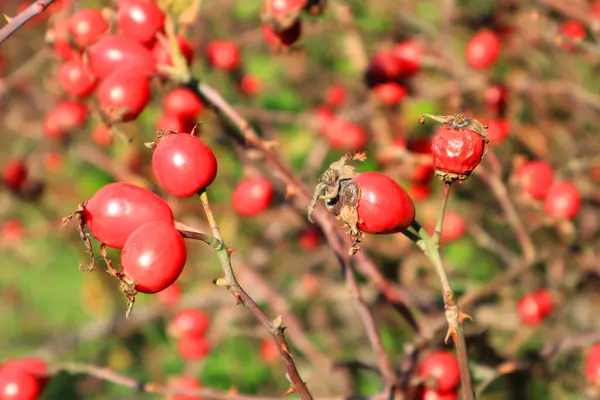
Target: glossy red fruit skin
x=535, y=178
x=64, y=118
x=497, y=131
x=185, y=383
x=74, y=78
x=114, y=52
x=16, y=384
x=140, y=19
x=14, y=174
x=252, y=196
x=431, y=394
x=573, y=30
x=454, y=227
x=153, y=256
x=162, y=53
x=345, y=135
x=189, y=322
x=182, y=103
x=118, y=209
x=193, y=347
x=223, y=54
x=269, y=351
x=533, y=307
x=102, y=136
x=385, y=66
x=483, y=49
x=592, y=365
x=419, y=192
x=410, y=54
x=124, y=94
x=183, y=164
x=87, y=26
x=280, y=8
x=170, y=123
x=31, y=365
x=443, y=366
x=456, y=151
x=310, y=239
x=383, y=206
x=562, y=200
x=170, y=296
x=390, y=92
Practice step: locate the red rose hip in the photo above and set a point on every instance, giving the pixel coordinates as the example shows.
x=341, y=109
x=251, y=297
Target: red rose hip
x=562, y=200
x=592, y=365
x=153, y=256
x=482, y=49
x=535, y=178
x=252, y=196
x=443, y=367
x=383, y=205
x=14, y=174
x=183, y=164
x=124, y=94
x=456, y=152
x=140, y=19
x=189, y=322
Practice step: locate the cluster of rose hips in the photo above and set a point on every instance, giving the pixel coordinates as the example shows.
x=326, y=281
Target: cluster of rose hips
x=561, y=198
x=119, y=67
x=189, y=327
x=140, y=223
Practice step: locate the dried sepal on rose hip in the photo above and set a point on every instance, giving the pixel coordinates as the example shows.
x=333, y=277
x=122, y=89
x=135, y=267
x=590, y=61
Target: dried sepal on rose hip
x=369, y=202
x=458, y=147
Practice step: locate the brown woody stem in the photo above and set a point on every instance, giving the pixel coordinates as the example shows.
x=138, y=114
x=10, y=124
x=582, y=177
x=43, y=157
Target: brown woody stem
x=274, y=327
x=23, y=17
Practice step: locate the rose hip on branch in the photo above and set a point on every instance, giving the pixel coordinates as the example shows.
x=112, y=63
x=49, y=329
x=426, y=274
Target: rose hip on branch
x=252, y=196
x=163, y=53
x=280, y=15
x=443, y=370
x=124, y=94
x=182, y=103
x=76, y=79
x=87, y=26
x=535, y=179
x=182, y=163
x=369, y=202
x=189, y=322
x=483, y=49
x=223, y=54
x=140, y=19
x=562, y=200
x=113, y=52
x=14, y=174
x=64, y=118
x=458, y=147
x=534, y=307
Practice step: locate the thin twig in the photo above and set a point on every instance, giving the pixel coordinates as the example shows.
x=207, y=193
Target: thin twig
x=21, y=19
x=275, y=327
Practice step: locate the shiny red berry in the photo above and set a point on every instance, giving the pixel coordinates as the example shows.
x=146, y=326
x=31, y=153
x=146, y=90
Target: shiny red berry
x=184, y=383
x=183, y=164
x=432, y=394
x=592, y=365
x=14, y=174
x=419, y=191
x=252, y=196
x=390, y=92
x=562, y=200
x=193, y=347
x=124, y=94
x=162, y=52
x=102, y=136
x=409, y=53
x=170, y=296
x=64, y=118
x=574, y=31
x=344, y=135
x=383, y=205
x=483, y=49
x=118, y=209
x=182, y=103
x=535, y=178
x=140, y=19
x=223, y=54
x=16, y=384
x=384, y=66
x=76, y=79
x=443, y=367
x=189, y=322
x=153, y=256
x=115, y=52
x=269, y=351
x=281, y=8
x=31, y=365
x=497, y=130
x=87, y=26
x=534, y=307
x=456, y=152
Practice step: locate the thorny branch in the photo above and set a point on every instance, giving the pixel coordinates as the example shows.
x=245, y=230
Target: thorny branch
x=21, y=19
